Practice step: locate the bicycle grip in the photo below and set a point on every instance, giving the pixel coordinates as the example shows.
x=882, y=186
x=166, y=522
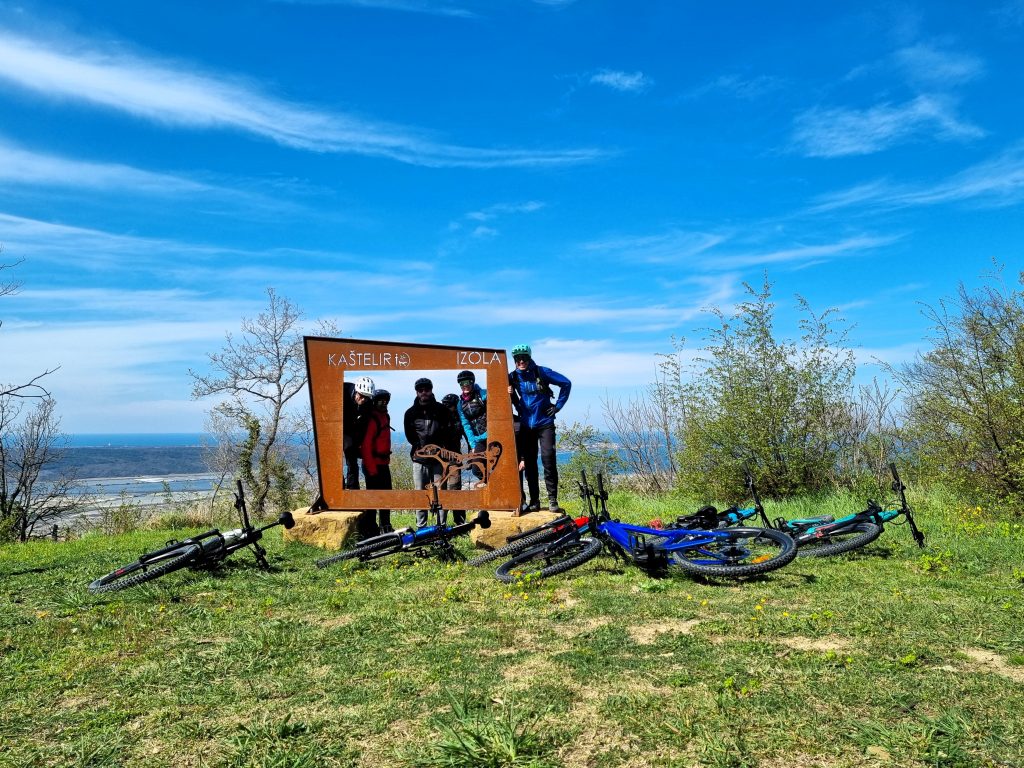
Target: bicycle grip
x=483, y=519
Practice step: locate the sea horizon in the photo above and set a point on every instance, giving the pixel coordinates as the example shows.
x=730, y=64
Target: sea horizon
x=138, y=439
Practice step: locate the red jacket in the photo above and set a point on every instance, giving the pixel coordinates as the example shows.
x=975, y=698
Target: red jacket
x=376, y=448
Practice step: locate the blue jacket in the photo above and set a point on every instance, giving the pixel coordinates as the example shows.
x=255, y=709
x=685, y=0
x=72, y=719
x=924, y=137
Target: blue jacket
x=474, y=425
x=531, y=393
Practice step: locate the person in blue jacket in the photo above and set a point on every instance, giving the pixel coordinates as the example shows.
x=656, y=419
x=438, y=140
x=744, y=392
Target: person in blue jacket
x=472, y=409
x=530, y=385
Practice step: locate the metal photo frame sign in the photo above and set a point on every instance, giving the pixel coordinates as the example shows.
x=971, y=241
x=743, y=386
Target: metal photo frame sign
x=330, y=363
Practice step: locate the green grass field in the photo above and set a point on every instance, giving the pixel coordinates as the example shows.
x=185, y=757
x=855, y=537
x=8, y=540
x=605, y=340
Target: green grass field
x=891, y=656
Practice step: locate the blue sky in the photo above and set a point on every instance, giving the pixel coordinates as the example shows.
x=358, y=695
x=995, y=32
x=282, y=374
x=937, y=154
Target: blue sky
x=586, y=176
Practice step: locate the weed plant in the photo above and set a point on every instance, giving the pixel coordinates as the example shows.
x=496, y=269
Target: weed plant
x=892, y=656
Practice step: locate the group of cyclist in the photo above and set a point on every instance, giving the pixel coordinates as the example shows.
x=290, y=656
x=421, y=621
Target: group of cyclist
x=456, y=418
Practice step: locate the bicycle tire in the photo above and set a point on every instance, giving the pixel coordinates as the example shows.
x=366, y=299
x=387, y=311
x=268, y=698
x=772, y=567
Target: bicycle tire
x=734, y=556
x=837, y=542
x=535, y=565
x=515, y=547
x=369, y=547
x=159, y=563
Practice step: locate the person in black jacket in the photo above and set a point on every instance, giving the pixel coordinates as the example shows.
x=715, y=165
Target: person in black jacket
x=426, y=423
x=358, y=396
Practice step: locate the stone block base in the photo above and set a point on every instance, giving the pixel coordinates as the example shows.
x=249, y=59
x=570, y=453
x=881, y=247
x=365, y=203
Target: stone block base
x=327, y=530
x=503, y=525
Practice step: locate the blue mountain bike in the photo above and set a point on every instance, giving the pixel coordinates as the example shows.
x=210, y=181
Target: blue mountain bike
x=428, y=541
x=718, y=553
x=822, y=536
x=826, y=536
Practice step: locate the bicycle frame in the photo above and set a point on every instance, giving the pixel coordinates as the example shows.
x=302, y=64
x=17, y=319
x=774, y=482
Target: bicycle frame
x=435, y=537
x=217, y=546
x=206, y=550
x=649, y=548
x=817, y=527
x=709, y=517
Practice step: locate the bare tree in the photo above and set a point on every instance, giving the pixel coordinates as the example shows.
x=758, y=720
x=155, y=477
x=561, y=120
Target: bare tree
x=32, y=388
x=258, y=373
x=872, y=437
x=31, y=441
x=645, y=448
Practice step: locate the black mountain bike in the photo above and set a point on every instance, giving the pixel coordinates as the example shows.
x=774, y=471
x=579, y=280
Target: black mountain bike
x=429, y=541
x=207, y=550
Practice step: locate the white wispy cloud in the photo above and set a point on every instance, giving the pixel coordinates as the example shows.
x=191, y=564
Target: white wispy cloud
x=998, y=181
x=842, y=131
x=628, y=82
x=480, y=218
x=169, y=93
x=928, y=66
x=22, y=166
x=500, y=209
x=598, y=364
x=666, y=247
x=737, y=86
x=431, y=7
x=1011, y=13
x=802, y=254
x=711, y=252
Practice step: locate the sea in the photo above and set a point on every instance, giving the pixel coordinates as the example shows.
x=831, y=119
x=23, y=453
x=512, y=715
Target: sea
x=143, y=468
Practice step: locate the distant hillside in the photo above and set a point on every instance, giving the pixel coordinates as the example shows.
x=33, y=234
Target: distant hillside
x=131, y=461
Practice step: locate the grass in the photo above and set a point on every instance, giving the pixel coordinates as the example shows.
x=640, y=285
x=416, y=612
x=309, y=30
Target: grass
x=890, y=656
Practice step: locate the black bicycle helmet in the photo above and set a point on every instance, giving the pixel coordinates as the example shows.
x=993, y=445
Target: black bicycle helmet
x=422, y=384
x=466, y=376
x=450, y=400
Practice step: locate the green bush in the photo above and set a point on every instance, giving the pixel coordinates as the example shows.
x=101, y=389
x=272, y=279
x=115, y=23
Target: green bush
x=780, y=407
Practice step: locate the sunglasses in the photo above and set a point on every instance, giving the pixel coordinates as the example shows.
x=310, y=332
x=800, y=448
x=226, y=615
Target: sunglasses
x=521, y=358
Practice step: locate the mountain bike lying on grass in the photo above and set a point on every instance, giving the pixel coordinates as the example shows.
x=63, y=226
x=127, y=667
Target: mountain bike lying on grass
x=429, y=541
x=520, y=542
x=711, y=517
x=822, y=536
x=719, y=553
x=206, y=550
x=825, y=536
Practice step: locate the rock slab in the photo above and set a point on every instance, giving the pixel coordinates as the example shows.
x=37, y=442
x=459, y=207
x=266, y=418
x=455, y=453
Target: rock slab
x=327, y=530
x=503, y=525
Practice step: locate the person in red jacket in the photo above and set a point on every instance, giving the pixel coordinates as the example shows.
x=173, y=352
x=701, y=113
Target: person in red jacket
x=376, y=455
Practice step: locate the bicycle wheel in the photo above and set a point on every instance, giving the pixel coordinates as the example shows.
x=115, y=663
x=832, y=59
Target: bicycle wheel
x=146, y=568
x=536, y=564
x=737, y=552
x=378, y=546
x=515, y=547
x=839, y=541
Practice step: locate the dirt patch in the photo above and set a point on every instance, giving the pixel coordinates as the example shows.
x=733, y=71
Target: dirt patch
x=522, y=673
x=645, y=634
x=821, y=644
x=580, y=627
x=335, y=622
x=993, y=662
x=803, y=761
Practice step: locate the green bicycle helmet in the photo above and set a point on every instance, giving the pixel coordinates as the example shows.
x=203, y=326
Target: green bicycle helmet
x=522, y=349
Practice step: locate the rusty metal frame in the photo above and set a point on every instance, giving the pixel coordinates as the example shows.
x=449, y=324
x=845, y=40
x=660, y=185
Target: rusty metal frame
x=327, y=361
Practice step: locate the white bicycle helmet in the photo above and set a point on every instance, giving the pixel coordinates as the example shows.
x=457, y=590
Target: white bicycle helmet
x=365, y=387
